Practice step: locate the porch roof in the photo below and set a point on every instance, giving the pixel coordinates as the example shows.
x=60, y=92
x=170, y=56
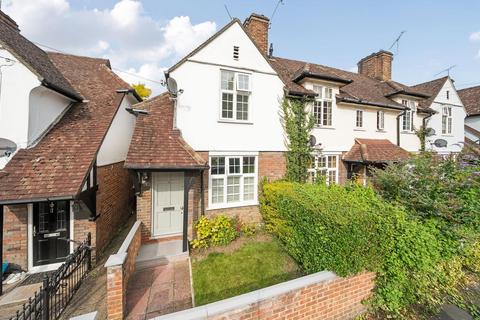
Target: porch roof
x=375, y=151
x=156, y=144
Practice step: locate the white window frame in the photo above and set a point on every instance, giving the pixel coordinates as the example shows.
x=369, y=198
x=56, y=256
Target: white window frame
x=407, y=126
x=235, y=92
x=447, y=120
x=381, y=120
x=226, y=174
x=324, y=170
x=357, y=126
x=324, y=101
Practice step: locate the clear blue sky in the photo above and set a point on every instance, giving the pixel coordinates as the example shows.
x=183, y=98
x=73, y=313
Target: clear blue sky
x=339, y=33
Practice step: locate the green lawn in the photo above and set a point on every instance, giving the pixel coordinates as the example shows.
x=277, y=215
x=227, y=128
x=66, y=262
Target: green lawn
x=253, y=266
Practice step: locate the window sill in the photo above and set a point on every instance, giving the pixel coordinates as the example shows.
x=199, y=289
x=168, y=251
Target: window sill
x=407, y=132
x=381, y=131
x=324, y=127
x=235, y=121
x=231, y=205
x=359, y=129
x=448, y=135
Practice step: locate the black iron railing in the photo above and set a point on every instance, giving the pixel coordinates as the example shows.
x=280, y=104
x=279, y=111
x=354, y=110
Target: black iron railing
x=58, y=288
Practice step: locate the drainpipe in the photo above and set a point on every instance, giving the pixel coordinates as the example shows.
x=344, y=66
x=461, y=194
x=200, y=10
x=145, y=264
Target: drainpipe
x=202, y=194
x=398, y=126
x=424, y=124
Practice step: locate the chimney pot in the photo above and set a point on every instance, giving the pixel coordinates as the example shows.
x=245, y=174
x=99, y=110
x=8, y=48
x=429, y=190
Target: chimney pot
x=378, y=65
x=257, y=27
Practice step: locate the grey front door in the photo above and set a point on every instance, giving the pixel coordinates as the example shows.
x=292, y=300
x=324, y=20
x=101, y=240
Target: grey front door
x=51, y=231
x=168, y=203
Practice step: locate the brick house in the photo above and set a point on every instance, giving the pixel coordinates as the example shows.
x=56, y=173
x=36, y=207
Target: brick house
x=222, y=131
x=69, y=121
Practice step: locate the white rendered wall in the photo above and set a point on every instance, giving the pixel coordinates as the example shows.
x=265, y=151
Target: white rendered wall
x=17, y=81
x=198, y=108
x=45, y=108
x=456, y=138
x=340, y=137
x=117, y=140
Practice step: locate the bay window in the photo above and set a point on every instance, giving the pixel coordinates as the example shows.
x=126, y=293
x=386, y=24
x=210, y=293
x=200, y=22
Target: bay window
x=235, y=96
x=446, y=120
x=233, y=180
x=322, y=106
x=325, y=166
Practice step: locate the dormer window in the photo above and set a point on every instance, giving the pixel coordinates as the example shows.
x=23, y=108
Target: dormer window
x=407, y=119
x=236, y=52
x=235, y=95
x=322, y=106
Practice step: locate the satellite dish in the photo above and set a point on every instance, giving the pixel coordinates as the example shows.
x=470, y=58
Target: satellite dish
x=430, y=132
x=172, y=86
x=440, y=143
x=7, y=147
x=312, y=141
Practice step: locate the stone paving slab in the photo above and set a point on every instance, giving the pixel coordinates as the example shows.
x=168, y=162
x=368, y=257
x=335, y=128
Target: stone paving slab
x=159, y=290
x=20, y=294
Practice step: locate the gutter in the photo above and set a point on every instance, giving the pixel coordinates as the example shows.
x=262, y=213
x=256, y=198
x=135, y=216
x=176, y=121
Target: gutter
x=22, y=201
x=368, y=103
x=131, y=91
x=321, y=77
x=62, y=91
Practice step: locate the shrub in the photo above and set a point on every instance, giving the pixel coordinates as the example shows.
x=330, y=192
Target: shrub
x=248, y=229
x=350, y=229
x=217, y=231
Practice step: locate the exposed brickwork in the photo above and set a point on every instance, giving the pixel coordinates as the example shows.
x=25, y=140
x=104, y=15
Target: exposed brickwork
x=257, y=27
x=113, y=201
x=81, y=229
x=272, y=165
x=377, y=65
x=15, y=237
x=144, y=213
x=342, y=171
x=337, y=299
x=117, y=280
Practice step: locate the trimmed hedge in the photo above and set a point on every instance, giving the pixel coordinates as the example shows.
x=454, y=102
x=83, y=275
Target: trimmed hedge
x=350, y=229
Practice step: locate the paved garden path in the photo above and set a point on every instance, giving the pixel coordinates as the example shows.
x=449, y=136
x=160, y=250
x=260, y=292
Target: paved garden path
x=159, y=290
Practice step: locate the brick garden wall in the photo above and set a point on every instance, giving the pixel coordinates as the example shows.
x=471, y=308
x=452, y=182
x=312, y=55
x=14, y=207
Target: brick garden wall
x=120, y=267
x=15, y=237
x=318, y=296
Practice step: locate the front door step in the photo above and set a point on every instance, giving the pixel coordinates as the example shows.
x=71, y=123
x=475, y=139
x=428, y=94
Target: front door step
x=159, y=253
x=19, y=295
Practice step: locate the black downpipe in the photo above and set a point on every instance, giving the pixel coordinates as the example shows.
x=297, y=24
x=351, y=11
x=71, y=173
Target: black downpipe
x=202, y=194
x=398, y=126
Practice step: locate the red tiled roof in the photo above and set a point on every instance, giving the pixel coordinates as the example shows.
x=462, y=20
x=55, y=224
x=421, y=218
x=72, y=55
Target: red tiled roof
x=155, y=144
x=375, y=150
x=355, y=88
x=57, y=166
x=432, y=88
x=471, y=100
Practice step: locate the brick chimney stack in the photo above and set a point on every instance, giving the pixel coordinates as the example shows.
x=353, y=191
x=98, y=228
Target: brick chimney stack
x=5, y=19
x=257, y=27
x=378, y=65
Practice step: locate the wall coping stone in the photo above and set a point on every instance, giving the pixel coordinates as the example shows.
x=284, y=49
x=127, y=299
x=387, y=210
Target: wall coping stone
x=119, y=258
x=87, y=316
x=222, y=306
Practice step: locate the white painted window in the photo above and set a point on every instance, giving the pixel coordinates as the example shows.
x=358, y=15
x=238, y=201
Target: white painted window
x=322, y=106
x=233, y=180
x=325, y=166
x=235, y=96
x=407, y=119
x=381, y=120
x=359, y=118
x=446, y=120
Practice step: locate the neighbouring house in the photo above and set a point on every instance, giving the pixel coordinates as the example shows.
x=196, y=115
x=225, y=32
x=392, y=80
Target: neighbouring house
x=66, y=122
x=447, y=123
x=204, y=147
x=471, y=99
